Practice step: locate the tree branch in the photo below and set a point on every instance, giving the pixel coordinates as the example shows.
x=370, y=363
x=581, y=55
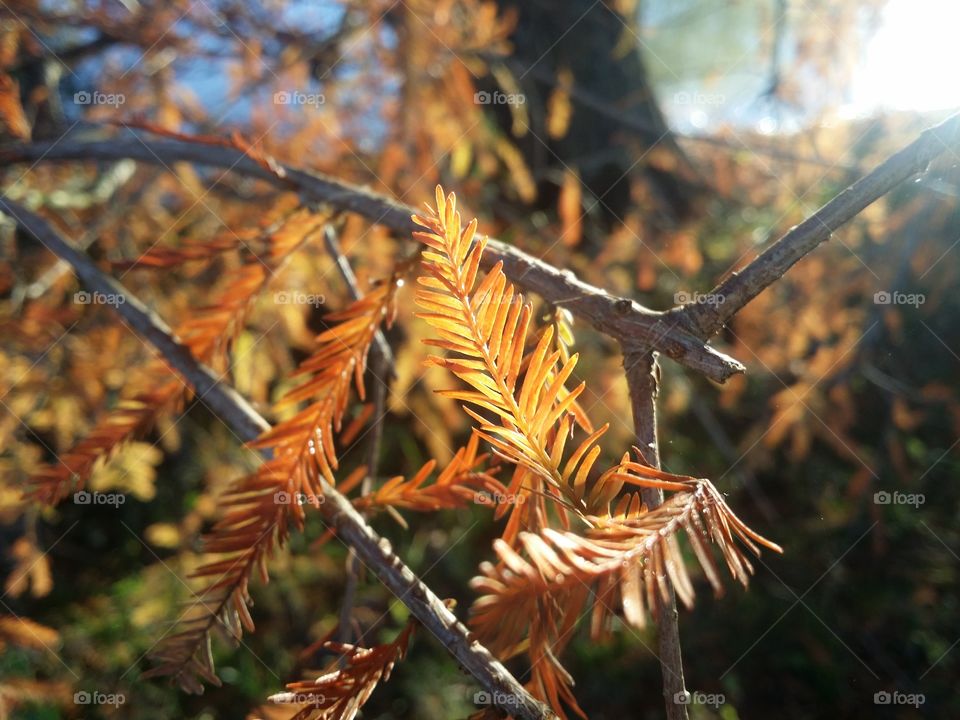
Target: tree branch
x=643, y=380
x=628, y=322
x=741, y=287
x=337, y=511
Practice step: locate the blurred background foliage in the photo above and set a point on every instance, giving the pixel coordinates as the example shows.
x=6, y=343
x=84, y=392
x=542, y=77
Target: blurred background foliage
x=657, y=147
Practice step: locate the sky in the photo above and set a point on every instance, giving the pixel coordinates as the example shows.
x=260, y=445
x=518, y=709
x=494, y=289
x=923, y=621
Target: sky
x=710, y=72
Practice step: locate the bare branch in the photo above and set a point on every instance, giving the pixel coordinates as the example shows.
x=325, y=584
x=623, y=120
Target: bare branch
x=741, y=287
x=337, y=511
x=622, y=319
x=643, y=380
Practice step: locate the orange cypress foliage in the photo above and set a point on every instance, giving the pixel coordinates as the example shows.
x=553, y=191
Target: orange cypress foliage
x=208, y=334
x=263, y=505
x=338, y=694
x=486, y=326
x=532, y=598
x=462, y=482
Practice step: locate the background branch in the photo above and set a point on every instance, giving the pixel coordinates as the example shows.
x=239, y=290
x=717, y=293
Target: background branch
x=337, y=511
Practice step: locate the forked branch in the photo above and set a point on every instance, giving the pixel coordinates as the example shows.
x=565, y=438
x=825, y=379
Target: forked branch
x=623, y=319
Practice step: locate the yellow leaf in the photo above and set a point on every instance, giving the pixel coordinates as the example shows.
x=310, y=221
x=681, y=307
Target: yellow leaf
x=133, y=471
x=570, y=209
x=559, y=107
x=165, y=535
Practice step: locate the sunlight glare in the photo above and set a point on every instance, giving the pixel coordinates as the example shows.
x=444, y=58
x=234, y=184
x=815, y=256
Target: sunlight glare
x=909, y=63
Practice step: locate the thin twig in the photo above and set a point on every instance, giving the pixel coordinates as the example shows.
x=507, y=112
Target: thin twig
x=337, y=511
x=741, y=287
x=350, y=278
x=380, y=373
x=381, y=369
x=625, y=320
x=382, y=363
x=643, y=380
